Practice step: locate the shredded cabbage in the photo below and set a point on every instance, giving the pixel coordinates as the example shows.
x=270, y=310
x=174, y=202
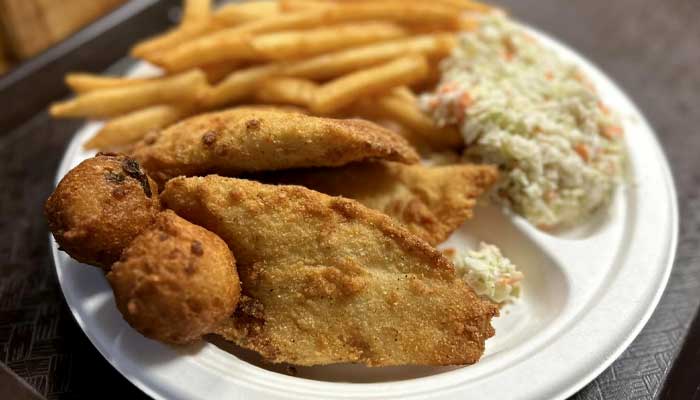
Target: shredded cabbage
x=489, y=273
x=518, y=105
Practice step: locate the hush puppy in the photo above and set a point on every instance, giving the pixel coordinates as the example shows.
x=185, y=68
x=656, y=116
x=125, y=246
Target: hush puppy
x=100, y=206
x=176, y=281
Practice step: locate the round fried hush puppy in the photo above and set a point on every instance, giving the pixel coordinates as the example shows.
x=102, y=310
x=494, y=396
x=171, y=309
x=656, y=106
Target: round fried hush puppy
x=100, y=206
x=176, y=281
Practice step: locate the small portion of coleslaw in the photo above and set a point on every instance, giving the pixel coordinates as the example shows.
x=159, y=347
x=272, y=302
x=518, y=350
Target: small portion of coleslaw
x=489, y=273
x=518, y=105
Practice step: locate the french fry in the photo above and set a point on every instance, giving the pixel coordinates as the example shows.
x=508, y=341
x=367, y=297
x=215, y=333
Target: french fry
x=296, y=44
x=83, y=82
x=422, y=13
x=231, y=44
x=320, y=13
x=238, y=86
x=132, y=127
x=430, y=81
x=226, y=16
x=111, y=102
x=468, y=23
x=404, y=93
x=460, y=5
x=342, y=91
x=239, y=13
x=147, y=48
x=195, y=11
x=297, y=5
x=409, y=12
x=217, y=72
x=467, y=5
x=367, y=109
x=335, y=64
x=401, y=106
x=294, y=91
x=234, y=43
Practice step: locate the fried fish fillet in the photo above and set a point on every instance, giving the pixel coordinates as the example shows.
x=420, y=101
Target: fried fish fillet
x=328, y=280
x=432, y=202
x=248, y=139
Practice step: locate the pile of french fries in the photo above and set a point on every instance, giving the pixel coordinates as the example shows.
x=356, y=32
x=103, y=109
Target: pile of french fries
x=358, y=58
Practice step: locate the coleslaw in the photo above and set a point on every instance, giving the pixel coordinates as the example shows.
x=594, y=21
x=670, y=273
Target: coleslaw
x=489, y=273
x=518, y=105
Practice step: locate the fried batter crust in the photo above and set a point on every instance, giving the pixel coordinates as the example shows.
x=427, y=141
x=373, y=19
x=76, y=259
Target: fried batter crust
x=176, y=281
x=248, y=139
x=328, y=280
x=100, y=206
x=432, y=202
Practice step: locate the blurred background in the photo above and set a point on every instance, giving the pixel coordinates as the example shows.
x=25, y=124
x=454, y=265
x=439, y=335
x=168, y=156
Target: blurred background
x=30, y=27
x=649, y=47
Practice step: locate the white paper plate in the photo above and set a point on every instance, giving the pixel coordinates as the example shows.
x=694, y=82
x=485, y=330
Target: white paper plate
x=587, y=294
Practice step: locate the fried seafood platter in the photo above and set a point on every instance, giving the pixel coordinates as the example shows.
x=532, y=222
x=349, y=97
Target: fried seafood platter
x=297, y=275
x=285, y=179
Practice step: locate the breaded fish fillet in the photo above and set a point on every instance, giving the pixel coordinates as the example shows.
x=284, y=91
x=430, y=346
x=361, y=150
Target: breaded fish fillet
x=248, y=139
x=432, y=202
x=327, y=280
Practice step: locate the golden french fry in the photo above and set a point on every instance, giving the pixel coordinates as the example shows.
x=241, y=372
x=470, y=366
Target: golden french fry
x=460, y=5
x=409, y=12
x=293, y=91
x=430, y=81
x=238, y=13
x=296, y=5
x=367, y=109
x=401, y=106
x=342, y=91
x=181, y=34
x=423, y=13
x=404, y=94
x=83, y=82
x=239, y=85
x=132, y=127
x=468, y=23
x=194, y=11
x=234, y=43
x=225, y=45
x=467, y=5
x=217, y=72
x=296, y=44
x=341, y=62
x=226, y=16
x=103, y=103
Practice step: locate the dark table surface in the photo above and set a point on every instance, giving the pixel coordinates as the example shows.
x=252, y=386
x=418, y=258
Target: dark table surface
x=649, y=47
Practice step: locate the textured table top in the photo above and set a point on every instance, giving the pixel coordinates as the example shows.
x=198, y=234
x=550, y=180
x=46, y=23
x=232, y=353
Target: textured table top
x=649, y=47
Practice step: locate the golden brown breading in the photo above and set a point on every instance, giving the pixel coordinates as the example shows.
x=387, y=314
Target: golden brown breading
x=176, y=281
x=328, y=280
x=432, y=202
x=100, y=206
x=248, y=139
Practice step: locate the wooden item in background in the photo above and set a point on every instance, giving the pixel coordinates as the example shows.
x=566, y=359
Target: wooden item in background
x=4, y=61
x=31, y=26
